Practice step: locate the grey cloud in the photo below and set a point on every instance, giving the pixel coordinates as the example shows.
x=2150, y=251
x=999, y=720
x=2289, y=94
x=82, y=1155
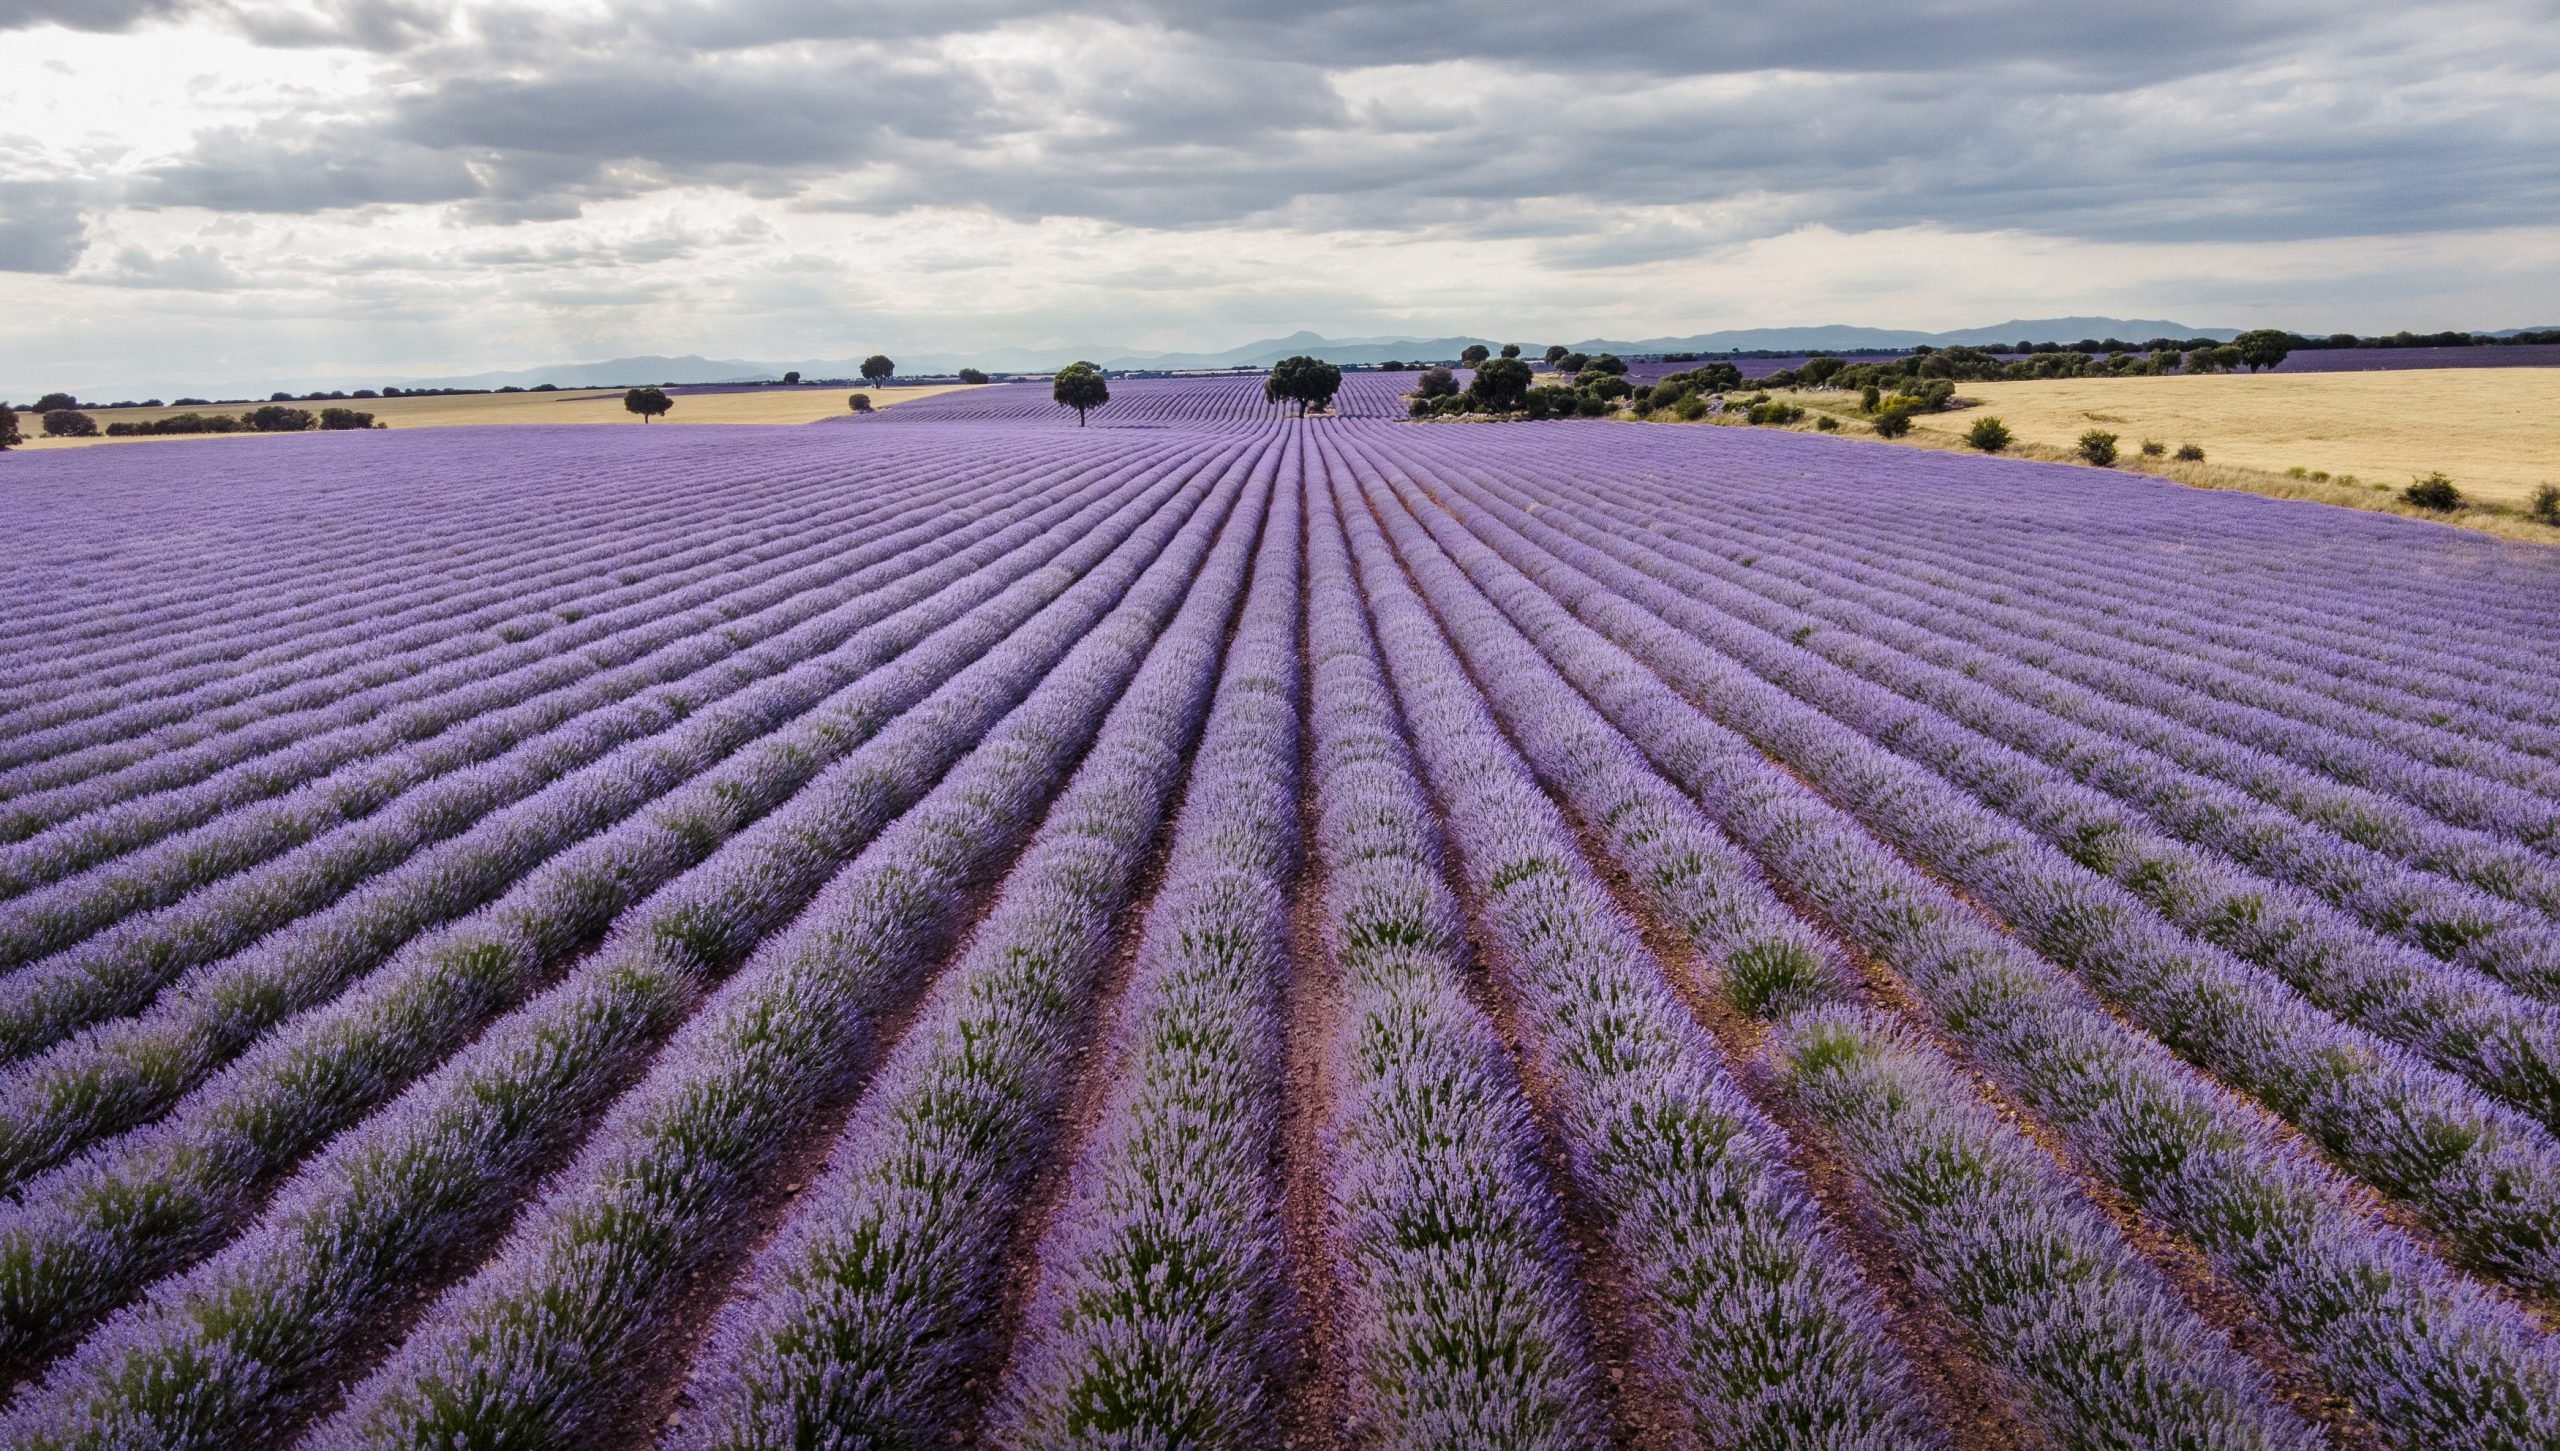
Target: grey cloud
x=99, y=15
x=334, y=166
x=2130, y=123
x=43, y=225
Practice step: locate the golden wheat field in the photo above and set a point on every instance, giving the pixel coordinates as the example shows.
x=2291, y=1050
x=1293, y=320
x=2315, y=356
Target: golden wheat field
x=583, y=405
x=2491, y=430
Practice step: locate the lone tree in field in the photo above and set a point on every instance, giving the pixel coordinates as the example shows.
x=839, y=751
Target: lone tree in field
x=858, y=402
x=1475, y=353
x=1078, y=386
x=1501, y=386
x=648, y=402
x=972, y=375
x=1307, y=382
x=2262, y=347
x=791, y=378
x=69, y=423
x=1436, y=383
x=877, y=369
x=8, y=427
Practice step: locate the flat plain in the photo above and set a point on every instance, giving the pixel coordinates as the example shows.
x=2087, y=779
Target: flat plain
x=2489, y=429
x=1215, y=929
x=569, y=405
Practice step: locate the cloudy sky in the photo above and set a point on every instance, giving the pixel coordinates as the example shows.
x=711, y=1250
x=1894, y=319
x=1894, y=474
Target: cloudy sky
x=239, y=191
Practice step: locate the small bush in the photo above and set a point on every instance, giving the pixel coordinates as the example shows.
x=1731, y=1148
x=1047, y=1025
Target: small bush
x=1893, y=423
x=2153, y=448
x=2546, y=505
x=1827, y=424
x=69, y=423
x=2098, y=447
x=2435, y=492
x=858, y=402
x=1690, y=409
x=1870, y=398
x=1989, y=435
x=2190, y=453
x=1780, y=413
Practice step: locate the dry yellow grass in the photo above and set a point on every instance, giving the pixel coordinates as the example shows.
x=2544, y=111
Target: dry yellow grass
x=2492, y=430
x=584, y=405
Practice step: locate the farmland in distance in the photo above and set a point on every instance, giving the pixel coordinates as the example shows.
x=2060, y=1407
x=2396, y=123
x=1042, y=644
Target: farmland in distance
x=1222, y=929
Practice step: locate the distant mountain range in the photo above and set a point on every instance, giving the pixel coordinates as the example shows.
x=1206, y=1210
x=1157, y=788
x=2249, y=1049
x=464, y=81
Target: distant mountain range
x=1264, y=352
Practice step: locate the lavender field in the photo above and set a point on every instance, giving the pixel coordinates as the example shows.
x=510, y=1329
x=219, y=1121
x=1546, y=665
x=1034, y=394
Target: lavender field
x=1218, y=930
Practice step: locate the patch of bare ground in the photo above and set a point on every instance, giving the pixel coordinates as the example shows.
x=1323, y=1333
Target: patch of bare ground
x=1946, y=1360
x=1098, y=1061
x=1098, y=1057
x=656, y=1388
x=1642, y=1411
x=2221, y=1304
x=1315, y=1379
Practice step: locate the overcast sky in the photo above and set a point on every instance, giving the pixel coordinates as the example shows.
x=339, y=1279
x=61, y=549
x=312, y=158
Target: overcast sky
x=239, y=190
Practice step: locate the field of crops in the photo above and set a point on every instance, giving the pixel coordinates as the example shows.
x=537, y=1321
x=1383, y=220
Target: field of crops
x=1215, y=930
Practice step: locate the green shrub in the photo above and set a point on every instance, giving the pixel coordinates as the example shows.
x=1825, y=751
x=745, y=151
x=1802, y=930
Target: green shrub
x=2435, y=492
x=2190, y=453
x=1691, y=409
x=1989, y=435
x=344, y=419
x=2098, y=447
x=1773, y=413
x=69, y=423
x=277, y=418
x=2153, y=448
x=1827, y=424
x=1893, y=423
x=1870, y=398
x=2546, y=505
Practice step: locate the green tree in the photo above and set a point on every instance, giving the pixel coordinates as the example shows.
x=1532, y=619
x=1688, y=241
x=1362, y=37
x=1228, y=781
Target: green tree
x=1893, y=422
x=972, y=375
x=1475, y=353
x=858, y=402
x=1501, y=385
x=1080, y=386
x=1989, y=435
x=1307, y=382
x=55, y=402
x=279, y=418
x=9, y=437
x=877, y=369
x=2099, y=447
x=791, y=378
x=1436, y=383
x=2262, y=347
x=2435, y=492
x=69, y=423
x=1555, y=353
x=647, y=402
x=1511, y=350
